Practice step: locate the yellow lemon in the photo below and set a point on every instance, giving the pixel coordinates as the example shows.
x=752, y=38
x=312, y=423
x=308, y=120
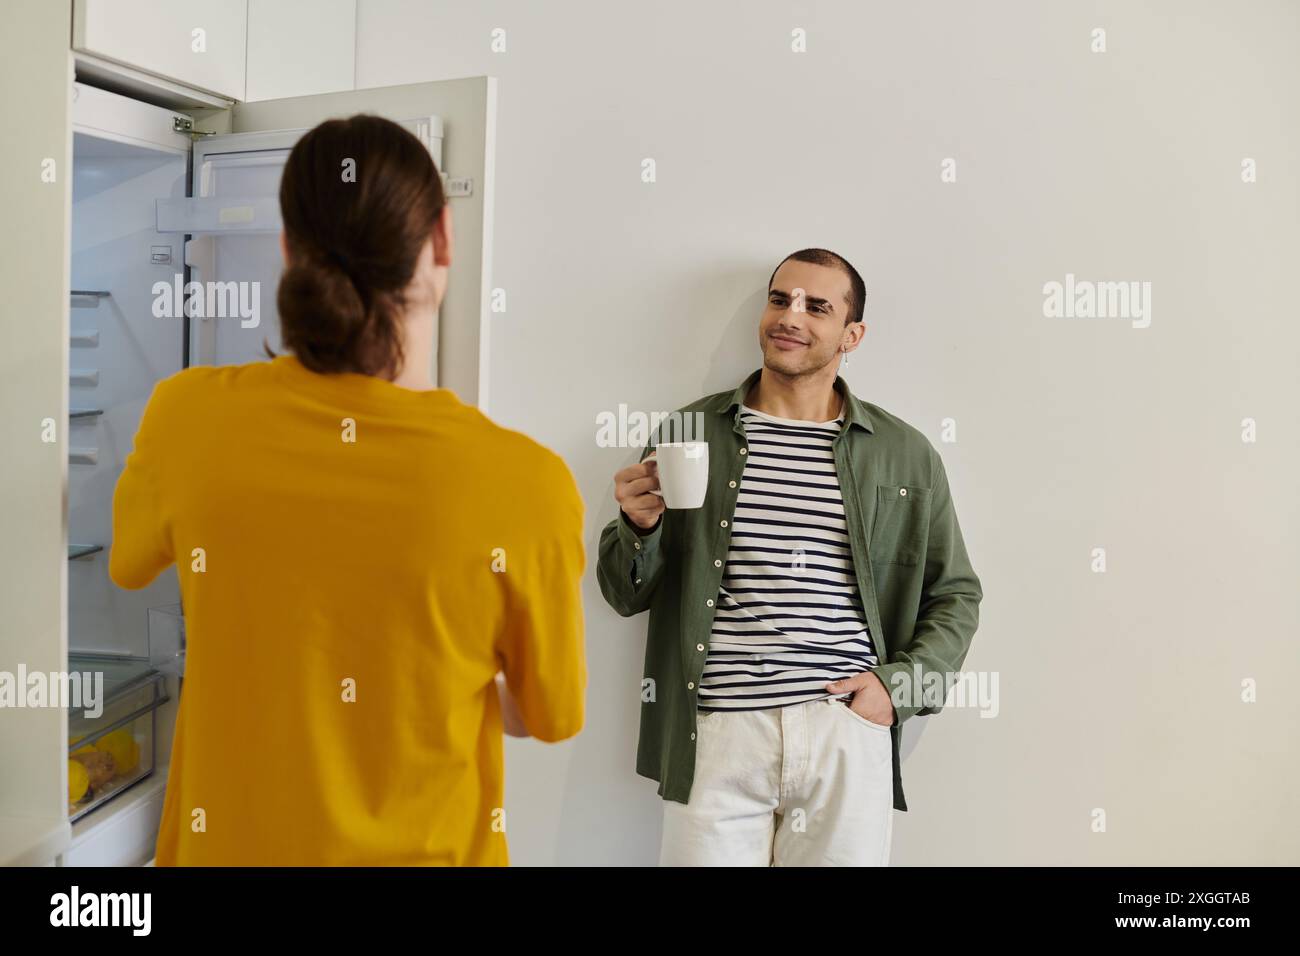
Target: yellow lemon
x=125, y=751
x=78, y=781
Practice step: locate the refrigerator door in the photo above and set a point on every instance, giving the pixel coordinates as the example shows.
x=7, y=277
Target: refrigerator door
x=467, y=160
x=233, y=216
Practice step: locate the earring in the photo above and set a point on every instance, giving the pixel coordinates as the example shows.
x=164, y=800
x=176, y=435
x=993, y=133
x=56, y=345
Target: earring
x=846, y=355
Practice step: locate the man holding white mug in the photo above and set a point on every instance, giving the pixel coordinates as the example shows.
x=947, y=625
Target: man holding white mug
x=805, y=574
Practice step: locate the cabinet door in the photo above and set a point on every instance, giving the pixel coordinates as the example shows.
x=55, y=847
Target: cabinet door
x=296, y=47
x=201, y=43
x=36, y=102
x=467, y=109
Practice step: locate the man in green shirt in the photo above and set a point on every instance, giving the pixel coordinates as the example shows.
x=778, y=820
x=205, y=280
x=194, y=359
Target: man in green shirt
x=820, y=597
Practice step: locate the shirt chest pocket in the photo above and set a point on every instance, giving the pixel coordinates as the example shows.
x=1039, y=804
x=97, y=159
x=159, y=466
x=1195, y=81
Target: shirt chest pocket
x=901, y=526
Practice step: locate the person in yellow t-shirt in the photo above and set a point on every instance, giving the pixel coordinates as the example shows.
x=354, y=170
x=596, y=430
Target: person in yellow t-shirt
x=367, y=593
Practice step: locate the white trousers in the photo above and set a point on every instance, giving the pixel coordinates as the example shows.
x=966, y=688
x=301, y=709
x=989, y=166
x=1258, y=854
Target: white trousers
x=806, y=785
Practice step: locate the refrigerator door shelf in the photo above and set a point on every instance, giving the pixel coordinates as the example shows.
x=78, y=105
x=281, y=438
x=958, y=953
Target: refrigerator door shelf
x=237, y=181
x=87, y=298
x=219, y=215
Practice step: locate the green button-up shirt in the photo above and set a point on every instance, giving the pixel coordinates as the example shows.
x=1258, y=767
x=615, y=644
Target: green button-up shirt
x=919, y=591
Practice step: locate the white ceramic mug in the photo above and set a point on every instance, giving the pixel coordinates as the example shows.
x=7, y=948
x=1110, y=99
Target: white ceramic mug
x=683, y=473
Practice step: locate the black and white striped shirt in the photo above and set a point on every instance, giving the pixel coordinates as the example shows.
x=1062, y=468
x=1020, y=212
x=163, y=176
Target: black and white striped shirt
x=789, y=617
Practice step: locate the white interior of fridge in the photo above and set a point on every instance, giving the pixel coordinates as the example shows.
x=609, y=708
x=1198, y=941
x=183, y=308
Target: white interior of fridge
x=118, y=350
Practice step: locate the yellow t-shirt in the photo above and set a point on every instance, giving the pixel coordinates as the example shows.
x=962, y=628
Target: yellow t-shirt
x=357, y=561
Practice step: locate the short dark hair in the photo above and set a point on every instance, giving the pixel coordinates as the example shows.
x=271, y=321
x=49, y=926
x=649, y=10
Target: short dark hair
x=857, y=299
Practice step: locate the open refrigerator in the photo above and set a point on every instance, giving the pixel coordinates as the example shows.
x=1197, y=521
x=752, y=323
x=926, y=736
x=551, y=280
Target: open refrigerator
x=156, y=205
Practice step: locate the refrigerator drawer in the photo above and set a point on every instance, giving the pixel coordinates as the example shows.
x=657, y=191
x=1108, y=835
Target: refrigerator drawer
x=112, y=746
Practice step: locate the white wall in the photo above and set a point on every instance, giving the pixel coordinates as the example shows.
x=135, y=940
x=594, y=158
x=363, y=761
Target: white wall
x=300, y=47
x=1120, y=690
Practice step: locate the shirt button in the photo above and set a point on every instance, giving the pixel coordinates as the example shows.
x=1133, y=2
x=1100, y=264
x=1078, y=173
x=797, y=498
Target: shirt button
x=638, y=580
x=902, y=492
x=690, y=685
x=692, y=736
x=744, y=451
x=709, y=602
x=731, y=484
x=717, y=563
x=637, y=545
x=699, y=647
x=723, y=522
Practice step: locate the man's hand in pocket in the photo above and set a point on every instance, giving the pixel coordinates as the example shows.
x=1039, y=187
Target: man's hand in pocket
x=870, y=698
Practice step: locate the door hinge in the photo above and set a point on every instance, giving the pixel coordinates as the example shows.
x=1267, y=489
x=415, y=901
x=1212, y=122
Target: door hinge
x=183, y=124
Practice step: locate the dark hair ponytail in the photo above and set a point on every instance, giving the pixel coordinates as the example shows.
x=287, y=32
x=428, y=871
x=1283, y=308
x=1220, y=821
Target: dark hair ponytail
x=353, y=241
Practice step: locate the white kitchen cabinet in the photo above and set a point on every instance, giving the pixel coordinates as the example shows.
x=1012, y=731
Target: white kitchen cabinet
x=146, y=192
x=200, y=43
x=298, y=47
